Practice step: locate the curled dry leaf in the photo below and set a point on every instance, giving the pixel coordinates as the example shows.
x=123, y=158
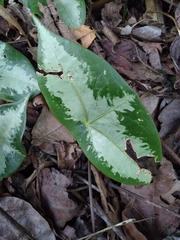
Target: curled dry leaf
x=25, y=215
x=85, y=35
x=110, y=14
x=67, y=154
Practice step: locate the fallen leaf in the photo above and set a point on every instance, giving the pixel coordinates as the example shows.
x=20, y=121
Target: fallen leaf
x=67, y=154
x=169, y=118
x=152, y=49
x=26, y=216
x=49, y=129
x=154, y=227
x=84, y=34
x=148, y=33
x=111, y=14
x=54, y=197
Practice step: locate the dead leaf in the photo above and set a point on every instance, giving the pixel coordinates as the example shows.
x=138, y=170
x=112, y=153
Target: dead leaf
x=152, y=49
x=151, y=102
x=148, y=33
x=175, y=53
x=25, y=216
x=8, y=17
x=111, y=14
x=67, y=154
x=177, y=15
x=110, y=34
x=84, y=34
x=154, y=227
x=169, y=118
x=49, y=129
x=170, y=196
x=54, y=197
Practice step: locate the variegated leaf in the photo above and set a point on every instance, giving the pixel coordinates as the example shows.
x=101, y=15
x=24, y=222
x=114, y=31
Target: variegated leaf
x=12, y=121
x=73, y=14
x=17, y=75
x=92, y=100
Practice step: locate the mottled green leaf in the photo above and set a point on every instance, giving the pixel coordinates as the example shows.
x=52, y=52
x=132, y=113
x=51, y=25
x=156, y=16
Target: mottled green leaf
x=33, y=5
x=17, y=75
x=73, y=14
x=12, y=121
x=92, y=100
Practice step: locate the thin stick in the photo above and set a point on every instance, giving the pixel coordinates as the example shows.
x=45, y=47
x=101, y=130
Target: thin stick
x=109, y=228
x=91, y=197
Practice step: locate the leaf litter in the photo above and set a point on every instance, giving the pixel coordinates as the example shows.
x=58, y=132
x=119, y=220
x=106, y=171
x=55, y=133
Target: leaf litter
x=150, y=66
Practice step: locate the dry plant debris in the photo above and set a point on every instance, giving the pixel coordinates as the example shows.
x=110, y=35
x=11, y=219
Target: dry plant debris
x=141, y=42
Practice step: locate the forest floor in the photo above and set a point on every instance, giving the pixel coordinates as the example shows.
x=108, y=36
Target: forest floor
x=48, y=199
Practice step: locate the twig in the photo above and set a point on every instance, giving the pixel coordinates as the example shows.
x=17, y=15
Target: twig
x=109, y=228
x=91, y=197
x=171, y=152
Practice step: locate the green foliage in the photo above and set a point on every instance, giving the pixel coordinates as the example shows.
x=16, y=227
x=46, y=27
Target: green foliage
x=2, y=2
x=73, y=12
x=97, y=106
x=86, y=95
x=17, y=84
x=12, y=119
x=33, y=6
x=17, y=75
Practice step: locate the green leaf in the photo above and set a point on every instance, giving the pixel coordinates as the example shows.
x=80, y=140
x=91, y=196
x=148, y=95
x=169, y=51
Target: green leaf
x=92, y=100
x=17, y=75
x=73, y=14
x=12, y=121
x=2, y=2
x=33, y=6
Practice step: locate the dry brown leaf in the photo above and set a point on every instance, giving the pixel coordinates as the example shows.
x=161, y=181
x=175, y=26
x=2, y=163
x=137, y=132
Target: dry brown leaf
x=8, y=17
x=48, y=129
x=148, y=33
x=170, y=196
x=151, y=102
x=54, y=197
x=111, y=14
x=25, y=215
x=159, y=222
x=67, y=154
x=153, y=49
x=169, y=118
x=84, y=34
